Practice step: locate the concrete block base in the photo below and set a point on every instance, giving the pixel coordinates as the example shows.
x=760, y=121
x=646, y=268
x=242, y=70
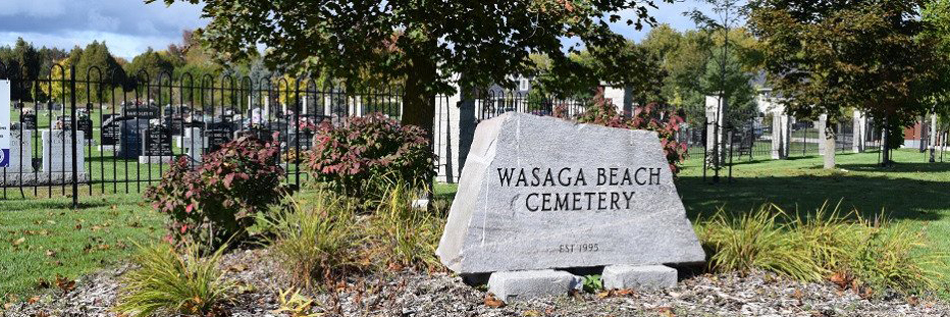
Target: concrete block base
x=523, y=285
x=639, y=277
x=157, y=159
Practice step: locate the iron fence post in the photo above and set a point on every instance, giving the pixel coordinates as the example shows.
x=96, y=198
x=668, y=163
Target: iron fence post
x=73, y=126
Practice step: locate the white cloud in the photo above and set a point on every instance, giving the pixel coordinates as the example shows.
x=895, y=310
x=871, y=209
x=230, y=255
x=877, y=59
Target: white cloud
x=97, y=21
x=128, y=26
x=33, y=8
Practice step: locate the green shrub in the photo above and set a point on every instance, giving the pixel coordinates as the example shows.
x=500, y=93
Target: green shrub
x=827, y=244
x=367, y=154
x=167, y=281
x=317, y=241
x=219, y=200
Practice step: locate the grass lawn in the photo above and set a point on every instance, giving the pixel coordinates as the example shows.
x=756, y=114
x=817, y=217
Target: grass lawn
x=913, y=191
x=43, y=238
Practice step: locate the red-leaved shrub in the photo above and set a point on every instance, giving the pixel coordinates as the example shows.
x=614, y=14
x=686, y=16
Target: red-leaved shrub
x=366, y=154
x=649, y=117
x=220, y=199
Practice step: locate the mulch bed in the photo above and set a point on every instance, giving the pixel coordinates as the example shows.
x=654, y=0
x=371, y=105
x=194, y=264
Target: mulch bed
x=409, y=293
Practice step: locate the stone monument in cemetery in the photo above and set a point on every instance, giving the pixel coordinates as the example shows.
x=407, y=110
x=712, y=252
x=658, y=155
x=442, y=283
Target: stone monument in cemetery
x=58, y=157
x=193, y=143
x=157, y=146
x=538, y=194
x=219, y=132
x=132, y=123
x=20, y=169
x=110, y=132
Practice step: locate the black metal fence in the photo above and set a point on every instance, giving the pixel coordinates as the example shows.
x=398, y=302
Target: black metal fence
x=128, y=130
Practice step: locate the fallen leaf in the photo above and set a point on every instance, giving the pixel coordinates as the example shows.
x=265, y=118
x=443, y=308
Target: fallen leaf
x=50, y=253
x=33, y=300
x=493, y=302
x=64, y=284
x=665, y=311
x=913, y=301
x=625, y=292
x=842, y=280
x=19, y=241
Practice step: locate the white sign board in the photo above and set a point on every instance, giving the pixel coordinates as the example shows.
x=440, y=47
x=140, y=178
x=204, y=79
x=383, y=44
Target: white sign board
x=4, y=123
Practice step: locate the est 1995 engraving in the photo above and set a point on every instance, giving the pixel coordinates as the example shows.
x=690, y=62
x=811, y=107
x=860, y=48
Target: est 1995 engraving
x=578, y=248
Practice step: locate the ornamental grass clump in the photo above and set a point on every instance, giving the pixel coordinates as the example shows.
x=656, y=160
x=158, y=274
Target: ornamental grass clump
x=324, y=237
x=169, y=281
x=316, y=241
x=871, y=257
x=403, y=235
x=757, y=241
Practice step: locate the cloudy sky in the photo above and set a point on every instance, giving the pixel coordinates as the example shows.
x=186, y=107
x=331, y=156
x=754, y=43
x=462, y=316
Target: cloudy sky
x=130, y=26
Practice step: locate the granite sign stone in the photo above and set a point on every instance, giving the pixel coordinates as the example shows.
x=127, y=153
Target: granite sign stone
x=542, y=193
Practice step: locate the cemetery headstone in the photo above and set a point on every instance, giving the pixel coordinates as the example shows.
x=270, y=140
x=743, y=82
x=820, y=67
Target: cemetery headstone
x=157, y=146
x=541, y=193
x=20, y=169
x=192, y=144
x=110, y=132
x=58, y=157
x=28, y=121
x=130, y=138
x=218, y=134
x=85, y=125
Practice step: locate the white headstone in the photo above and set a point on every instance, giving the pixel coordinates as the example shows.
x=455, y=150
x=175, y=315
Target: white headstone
x=193, y=143
x=57, y=151
x=21, y=152
x=540, y=192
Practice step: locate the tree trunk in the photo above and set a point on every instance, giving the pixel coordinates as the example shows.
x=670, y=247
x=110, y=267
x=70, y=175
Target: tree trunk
x=830, y=145
x=418, y=99
x=885, y=139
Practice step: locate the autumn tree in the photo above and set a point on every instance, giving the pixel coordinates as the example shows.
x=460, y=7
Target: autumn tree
x=828, y=56
x=937, y=15
x=421, y=43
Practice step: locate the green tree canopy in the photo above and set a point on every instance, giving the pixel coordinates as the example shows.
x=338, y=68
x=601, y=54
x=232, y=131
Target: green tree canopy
x=421, y=43
x=825, y=56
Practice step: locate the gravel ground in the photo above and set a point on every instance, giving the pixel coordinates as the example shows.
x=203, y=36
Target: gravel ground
x=439, y=294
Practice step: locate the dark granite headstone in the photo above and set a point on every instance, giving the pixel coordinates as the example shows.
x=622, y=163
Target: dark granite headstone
x=28, y=121
x=218, y=134
x=130, y=138
x=158, y=142
x=110, y=130
x=85, y=125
